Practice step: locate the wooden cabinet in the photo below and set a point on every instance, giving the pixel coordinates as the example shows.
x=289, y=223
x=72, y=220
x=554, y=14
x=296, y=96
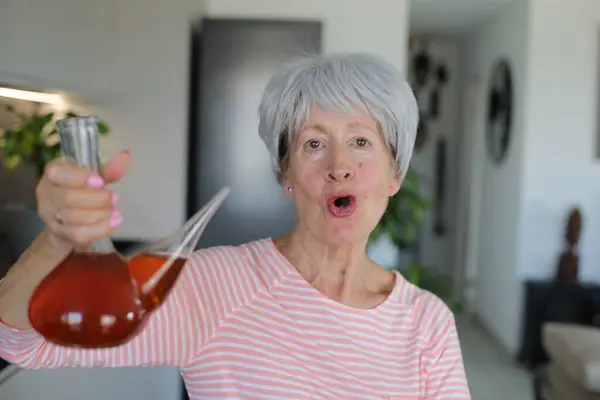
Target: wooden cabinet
x=577, y=303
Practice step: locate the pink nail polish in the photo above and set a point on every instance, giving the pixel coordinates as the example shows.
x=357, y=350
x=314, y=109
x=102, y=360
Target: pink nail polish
x=114, y=198
x=115, y=219
x=96, y=182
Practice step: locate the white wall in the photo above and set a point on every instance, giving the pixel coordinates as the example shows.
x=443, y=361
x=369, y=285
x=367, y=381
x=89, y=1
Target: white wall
x=553, y=48
x=378, y=26
x=497, y=285
x=39, y=49
x=561, y=169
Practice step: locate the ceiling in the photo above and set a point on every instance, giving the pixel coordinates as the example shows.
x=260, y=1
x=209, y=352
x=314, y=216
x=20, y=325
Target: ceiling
x=452, y=16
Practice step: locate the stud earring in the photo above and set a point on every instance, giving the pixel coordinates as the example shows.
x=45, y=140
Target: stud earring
x=290, y=189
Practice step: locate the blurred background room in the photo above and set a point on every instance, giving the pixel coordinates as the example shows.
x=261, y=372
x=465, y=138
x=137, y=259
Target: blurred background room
x=500, y=215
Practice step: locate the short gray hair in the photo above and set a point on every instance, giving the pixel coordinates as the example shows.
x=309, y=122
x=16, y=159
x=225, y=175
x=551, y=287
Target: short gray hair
x=338, y=82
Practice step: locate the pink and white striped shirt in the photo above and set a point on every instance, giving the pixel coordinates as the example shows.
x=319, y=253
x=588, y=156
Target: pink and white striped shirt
x=242, y=323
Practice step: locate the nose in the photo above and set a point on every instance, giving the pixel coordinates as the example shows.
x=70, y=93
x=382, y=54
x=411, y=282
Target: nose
x=339, y=175
x=340, y=170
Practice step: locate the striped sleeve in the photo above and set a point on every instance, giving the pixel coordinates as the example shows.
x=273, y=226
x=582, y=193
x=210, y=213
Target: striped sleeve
x=173, y=335
x=444, y=372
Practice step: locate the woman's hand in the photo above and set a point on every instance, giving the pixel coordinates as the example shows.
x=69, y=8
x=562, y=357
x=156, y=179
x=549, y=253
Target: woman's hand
x=74, y=203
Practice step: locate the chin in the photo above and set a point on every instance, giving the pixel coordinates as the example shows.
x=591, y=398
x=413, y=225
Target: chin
x=344, y=236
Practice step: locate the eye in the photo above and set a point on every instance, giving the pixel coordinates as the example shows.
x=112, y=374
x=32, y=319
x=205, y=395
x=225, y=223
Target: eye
x=313, y=144
x=362, y=142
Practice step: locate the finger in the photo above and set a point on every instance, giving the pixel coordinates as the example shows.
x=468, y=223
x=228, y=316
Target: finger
x=83, y=234
x=47, y=212
x=65, y=173
x=84, y=198
x=47, y=202
x=116, y=167
x=79, y=217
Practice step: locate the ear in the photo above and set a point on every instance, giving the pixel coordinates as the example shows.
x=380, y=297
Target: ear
x=286, y=187
x=395, y=183
x=395, y=187
x=287, y=190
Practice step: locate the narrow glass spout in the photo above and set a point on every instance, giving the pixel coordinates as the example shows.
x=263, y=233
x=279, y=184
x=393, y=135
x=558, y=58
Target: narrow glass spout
x=79, y=142
x=154, y=281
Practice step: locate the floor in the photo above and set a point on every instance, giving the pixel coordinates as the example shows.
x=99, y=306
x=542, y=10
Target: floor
x=492, y=373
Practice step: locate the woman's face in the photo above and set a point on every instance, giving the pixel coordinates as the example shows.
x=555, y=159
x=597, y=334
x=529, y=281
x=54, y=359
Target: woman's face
x=341, y=175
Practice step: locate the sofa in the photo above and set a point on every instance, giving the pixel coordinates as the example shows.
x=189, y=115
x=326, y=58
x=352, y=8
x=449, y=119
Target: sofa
x=573, y=370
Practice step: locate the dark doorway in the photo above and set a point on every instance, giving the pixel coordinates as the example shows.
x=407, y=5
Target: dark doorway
x=232, y=61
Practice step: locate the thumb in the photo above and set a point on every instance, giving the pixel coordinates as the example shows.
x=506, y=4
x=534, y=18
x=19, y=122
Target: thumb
x=116, y=167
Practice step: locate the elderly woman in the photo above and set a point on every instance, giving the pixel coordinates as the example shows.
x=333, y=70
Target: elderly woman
x=307, y=315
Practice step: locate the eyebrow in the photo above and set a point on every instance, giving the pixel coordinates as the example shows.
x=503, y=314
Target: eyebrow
x=317, y=127
x=323, y=129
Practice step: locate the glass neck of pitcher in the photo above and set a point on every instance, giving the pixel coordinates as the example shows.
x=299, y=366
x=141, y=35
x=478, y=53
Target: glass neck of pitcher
x=79, y=141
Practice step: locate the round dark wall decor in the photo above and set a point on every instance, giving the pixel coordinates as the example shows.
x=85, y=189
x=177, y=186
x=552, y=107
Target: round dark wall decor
x=499, y=112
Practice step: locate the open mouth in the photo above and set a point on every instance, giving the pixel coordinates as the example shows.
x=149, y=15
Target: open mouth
x=342, y=205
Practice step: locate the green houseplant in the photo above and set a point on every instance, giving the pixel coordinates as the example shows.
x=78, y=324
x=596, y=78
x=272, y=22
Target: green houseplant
x=403, y=217
x=34, y=139
x=402, y=223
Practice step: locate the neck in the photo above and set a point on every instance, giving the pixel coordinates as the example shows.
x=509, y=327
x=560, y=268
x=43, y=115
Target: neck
x=329, y=261
x=341, y=272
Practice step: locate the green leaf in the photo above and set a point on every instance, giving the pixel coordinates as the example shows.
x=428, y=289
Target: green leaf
x=376, y=234
x=404, y=214
x=418, y=215
x=48, y=154
x=10, y=163
x=34, y=139
x=103, y=128
x=430, y=280
x=27, y=141
x=46, y=119
x=409, y=233
x=11, y=142
x=393, y=231
x=413, y=274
